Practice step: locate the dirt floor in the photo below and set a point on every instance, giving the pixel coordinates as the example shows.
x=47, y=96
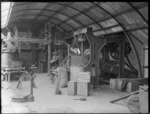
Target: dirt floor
x=46, y=101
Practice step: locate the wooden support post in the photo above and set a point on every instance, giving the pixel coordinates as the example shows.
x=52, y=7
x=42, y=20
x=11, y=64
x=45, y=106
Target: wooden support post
x=145, y=61
x=49, y=59
x=19, y=46
x=33, y=55
x=49, y=50
x=41, y=63
x=69, y=57
x=31, y=84
x=121, y=58
x=8, y=77
x=82, y=53
x=82, y=48
x=16, y=35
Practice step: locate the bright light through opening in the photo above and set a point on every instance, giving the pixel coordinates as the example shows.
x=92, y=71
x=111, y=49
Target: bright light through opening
x=6, y=8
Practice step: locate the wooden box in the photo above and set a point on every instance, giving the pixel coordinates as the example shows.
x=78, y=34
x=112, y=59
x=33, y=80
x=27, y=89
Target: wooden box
x=84, y=76
x=82, y=88
x=143, y=97
x=73, y=75
x=74, y=72
x=72, y=88
x=115, y=84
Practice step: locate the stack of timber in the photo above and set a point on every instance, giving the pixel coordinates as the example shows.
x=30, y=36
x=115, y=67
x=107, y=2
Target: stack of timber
x=131, y=84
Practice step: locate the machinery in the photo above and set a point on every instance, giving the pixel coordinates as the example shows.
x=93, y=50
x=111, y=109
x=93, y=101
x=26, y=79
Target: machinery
x=11, y=62
x=9, y=52
x=105, y=57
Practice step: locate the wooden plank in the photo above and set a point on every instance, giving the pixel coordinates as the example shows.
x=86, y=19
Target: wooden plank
x=17, y=68
x=126, y=96
x=31, y=40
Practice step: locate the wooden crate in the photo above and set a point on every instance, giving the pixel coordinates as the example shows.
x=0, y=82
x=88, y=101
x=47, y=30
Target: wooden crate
x=82, y=88
x=72, y=88
x=115, y=84
x=84, y=76
x=73, y=75
x=74, y=72
x=143, y=96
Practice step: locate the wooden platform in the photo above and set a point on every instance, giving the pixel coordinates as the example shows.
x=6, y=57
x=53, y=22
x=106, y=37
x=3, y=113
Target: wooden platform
x=6, y=72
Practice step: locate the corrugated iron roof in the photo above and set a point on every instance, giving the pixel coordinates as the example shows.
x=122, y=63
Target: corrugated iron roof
x=104, y=17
